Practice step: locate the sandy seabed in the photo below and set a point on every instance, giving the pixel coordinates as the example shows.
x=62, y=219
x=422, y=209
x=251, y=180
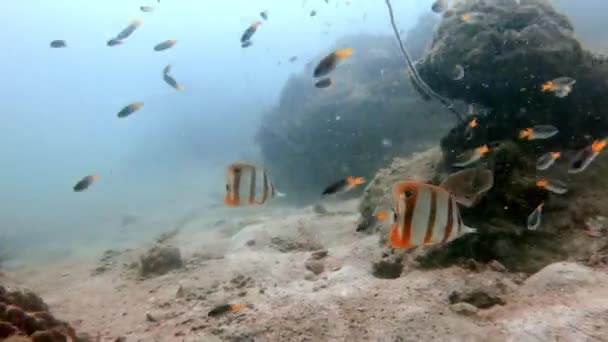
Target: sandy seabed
x=265, y=263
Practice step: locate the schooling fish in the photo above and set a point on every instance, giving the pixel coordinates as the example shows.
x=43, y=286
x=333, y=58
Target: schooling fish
x=472, y=17
x=113, y=42
x=534, y=219
x=343, y=185
x=547, y=160
x=457, y=73
x=423, y=214
x=468, y=131
x=84, y=183
x=552, y=186
x=584, y=158
x=329, y=62
x=561, y=86
x=469, y=157
x=538, y=132
x=439, y=6
x=469, y=185
x=250, y=31
x=147, y=9
x=323, y=83
x=293, y=59
x=170, y=80
x=313, y=13
x=58, y=44
x=223, y=309
x=130, y=109
x=245, y=180
x=167, y=44
x=264, y=15
x=246, y=44
x=124, y=34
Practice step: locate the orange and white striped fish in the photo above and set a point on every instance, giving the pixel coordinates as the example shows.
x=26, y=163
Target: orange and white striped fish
x=245, y=181
x=423, y=214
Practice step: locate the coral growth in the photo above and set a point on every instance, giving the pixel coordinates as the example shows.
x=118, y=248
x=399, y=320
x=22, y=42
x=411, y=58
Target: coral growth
x=24, y=315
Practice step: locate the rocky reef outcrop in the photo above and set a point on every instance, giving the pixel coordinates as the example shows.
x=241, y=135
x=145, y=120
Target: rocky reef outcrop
x=25, y=317
x=370, y=115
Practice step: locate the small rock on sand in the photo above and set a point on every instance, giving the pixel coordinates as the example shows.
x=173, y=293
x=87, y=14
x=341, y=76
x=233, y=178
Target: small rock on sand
x=478, y=297
x=496, y=266
x=314, y=266
x=160, y=260
x=388, y=269
x=464, y=309
x=319, y=209
x=320, y=254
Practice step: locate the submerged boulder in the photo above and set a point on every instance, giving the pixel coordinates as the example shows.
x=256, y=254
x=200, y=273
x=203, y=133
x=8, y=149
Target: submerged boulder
x=369, y=115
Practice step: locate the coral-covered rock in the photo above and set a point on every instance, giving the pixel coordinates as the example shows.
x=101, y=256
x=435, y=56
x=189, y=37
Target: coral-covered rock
x=160, y=259
x=24, y=317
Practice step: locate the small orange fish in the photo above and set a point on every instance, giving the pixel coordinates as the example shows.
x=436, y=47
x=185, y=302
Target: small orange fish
x=250, y=31
x=561, y=86
x=85, y=183
x=165, y=45
x=330, y=62
x=552, y=186
x=586, y=156
x=343, y=185
x=130, y=109
x=547, y=160
x=538, y=132
x=472, y=156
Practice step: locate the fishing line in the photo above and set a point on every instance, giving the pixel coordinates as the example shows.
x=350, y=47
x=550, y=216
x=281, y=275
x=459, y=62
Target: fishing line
x=415, y=76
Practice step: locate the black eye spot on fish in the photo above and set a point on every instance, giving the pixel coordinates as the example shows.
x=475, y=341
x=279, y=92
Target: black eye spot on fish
x=408, y=193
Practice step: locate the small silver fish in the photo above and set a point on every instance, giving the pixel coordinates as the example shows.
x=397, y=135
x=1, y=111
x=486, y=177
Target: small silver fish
x=439, y=6
x=534, y=219
x=547, y=160
x=58, y=44
x=147, y=9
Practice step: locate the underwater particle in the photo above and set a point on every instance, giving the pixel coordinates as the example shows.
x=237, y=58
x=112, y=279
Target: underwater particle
x=439, y=6
x=457, y=73
x=313, y=13
x=59, y=43
x=85, y=183
x=538, y=132
x=587, y=155
x=124, y=34
x=547, y=160
x=555, y=187
x=561, y=86
x=323, y=83
x=250, y=31
x=387, y=142
x=469, y=130
x=264, y=15
x=247, y=44
x=338, y=117
x=343, y=185
x=170, y=80
x=534, y=219
x=167, y=44
x=224, y=309
x=146, y=9
x=424, y=214
x=130, y=109
x=472, y=17
x=114, y=42
x=469, y=185
x=471, y=156
x=242, y=181
x=330, y=62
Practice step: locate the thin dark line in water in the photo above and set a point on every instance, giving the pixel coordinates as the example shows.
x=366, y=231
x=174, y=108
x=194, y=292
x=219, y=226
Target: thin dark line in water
x=415, y=76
